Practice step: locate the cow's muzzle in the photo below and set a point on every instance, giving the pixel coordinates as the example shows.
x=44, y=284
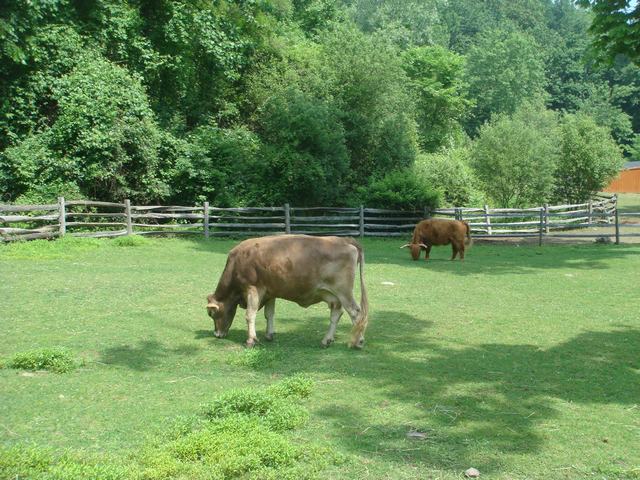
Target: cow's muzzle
x=219, y=334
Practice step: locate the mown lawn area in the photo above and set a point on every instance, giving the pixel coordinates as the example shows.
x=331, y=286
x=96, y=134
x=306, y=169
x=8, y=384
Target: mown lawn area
x=523, y=361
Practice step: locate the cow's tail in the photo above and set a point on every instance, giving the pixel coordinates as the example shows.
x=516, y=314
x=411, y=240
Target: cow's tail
x=468, y=241
x=363, y=316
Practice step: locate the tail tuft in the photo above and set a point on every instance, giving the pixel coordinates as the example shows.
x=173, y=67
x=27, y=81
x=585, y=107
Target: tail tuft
x=468, y=241
x=357, y=333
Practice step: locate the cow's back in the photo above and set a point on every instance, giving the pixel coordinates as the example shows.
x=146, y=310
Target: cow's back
x=293, y=266
x=439, y=231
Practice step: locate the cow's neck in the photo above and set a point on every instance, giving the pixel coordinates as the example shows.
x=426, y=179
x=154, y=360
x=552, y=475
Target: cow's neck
x=224, y=290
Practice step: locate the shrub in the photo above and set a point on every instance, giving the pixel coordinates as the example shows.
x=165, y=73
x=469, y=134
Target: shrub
x=400, y=190
x=589, y=159
x=449, y=173
x=58, y=360
x=278, y=414
x=515, y=157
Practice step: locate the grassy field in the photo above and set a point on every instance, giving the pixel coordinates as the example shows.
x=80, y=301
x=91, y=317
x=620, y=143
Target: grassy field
x=523, y=362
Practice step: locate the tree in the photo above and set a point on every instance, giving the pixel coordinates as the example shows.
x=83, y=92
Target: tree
x=615, y=28
x=515, y=157
x=436, y=79
x=369, y=88
x=589, y=159
x=103, y=138
x=305, y=159
x=505, y=70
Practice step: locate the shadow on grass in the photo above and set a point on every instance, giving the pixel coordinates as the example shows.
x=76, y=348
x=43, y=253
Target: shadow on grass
x=145, y=356
x=474, y=402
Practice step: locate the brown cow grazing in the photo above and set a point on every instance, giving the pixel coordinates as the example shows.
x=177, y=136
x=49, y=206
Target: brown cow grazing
x=299, y=268
x=438, y=231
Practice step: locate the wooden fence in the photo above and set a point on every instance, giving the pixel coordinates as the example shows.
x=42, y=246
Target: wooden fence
x=83, y=218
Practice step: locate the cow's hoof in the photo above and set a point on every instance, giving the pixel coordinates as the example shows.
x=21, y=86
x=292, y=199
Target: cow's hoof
x=251, y=343
x=269, y=337
x=326, y=342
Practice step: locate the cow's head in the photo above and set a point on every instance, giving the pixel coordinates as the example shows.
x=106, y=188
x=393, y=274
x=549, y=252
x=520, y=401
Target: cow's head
x=415, y=249
x=222, y=317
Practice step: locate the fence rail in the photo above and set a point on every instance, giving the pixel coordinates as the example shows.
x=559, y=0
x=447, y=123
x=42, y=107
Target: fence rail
x=86, y=218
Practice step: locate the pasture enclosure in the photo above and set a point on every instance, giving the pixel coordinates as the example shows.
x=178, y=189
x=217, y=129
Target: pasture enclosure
x=84, y=218
x=521, y=362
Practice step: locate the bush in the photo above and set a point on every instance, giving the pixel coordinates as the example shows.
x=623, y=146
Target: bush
x=515, y=157
x=58, y=360
x=400, y=190
x=277, y=413
x=449, y=173
x=589, y=159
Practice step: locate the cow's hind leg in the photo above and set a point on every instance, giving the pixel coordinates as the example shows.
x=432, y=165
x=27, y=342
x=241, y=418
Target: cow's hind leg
x=253, y=304
x=352, y=308
x=269, y=312
x=336, y=313
x=454, y=250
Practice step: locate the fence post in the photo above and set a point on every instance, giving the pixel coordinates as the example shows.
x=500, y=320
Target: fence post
x=590, y=212
x=458, y=214
x=62, y=216
x=287, y=218
x=487, y=219
x=617, y=225
x=206, y=219
x=127, y=211
x=546, y=218
x=541, y=229
x=361, y=224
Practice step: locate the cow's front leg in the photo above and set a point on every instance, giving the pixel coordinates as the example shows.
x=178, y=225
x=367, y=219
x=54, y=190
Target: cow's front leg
x=336, y=313
x=269, y=311
x=428, y=251
x=253, y=304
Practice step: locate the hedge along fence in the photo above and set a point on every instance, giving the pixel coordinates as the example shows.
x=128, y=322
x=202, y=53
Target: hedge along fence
x=84, y=218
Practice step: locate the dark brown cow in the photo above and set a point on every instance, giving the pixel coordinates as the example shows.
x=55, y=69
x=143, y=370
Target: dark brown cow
x=299, y=268
x=438, y=231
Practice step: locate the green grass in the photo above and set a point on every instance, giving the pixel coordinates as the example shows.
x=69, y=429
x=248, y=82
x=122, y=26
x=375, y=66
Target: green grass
x=629, y=202
x=523, y=362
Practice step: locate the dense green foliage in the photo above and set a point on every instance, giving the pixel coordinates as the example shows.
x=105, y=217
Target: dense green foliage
x=515, y=156
x=589, y=157
x=615, y=27
x=303, y=101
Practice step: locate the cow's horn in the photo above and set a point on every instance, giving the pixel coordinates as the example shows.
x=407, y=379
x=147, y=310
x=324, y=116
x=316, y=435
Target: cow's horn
x=215, y=306
x=406, y=245
x=423, y=245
